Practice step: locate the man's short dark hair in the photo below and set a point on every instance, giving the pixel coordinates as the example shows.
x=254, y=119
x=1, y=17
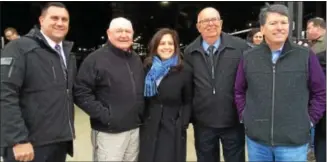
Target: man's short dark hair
x=317, y=22
x=275, y=8
x=13, y=30
x=52, y=4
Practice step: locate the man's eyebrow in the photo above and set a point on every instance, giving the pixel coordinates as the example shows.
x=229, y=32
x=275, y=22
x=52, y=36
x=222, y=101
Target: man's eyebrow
x=121, y=28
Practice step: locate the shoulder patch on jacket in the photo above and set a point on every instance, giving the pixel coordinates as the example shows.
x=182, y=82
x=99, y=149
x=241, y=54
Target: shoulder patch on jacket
x=6, y=60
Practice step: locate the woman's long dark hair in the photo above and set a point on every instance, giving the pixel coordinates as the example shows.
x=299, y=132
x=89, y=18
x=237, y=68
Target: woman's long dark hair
x=154, y=43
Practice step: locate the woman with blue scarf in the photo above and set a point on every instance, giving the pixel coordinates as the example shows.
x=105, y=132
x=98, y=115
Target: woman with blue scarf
x=168, y=97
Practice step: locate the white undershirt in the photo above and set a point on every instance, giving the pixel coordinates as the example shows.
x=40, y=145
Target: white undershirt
x=53, y=45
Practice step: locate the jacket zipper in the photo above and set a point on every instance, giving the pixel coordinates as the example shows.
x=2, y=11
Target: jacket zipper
x=67, y=93
x=11, y=69
x=70, y=124
x=273, y=106
x=131, y=77
x=273, y=98
x=212, y=74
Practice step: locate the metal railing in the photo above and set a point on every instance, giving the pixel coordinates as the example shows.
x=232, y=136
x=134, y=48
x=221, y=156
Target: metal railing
x=241, y=32
x=2, y=42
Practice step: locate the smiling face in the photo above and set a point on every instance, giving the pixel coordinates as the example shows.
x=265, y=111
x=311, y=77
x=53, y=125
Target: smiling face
x=121, y=37
x=55, y=23
x=166, y=48
x=209, y=24
x=276, y=28
x=257, y=38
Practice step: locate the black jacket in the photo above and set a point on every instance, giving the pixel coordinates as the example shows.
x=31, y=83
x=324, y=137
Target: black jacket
x=36, y=99
x=166, y=118
x=109, y=88
x=213, y=103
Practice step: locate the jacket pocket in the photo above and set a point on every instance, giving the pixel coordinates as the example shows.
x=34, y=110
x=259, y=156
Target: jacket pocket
x=109, y=109
x=53, y=71
x=11, y=69
x=111, y=122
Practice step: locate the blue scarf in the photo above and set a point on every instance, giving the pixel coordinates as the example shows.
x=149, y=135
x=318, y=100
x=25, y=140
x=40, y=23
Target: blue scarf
x=159, y=69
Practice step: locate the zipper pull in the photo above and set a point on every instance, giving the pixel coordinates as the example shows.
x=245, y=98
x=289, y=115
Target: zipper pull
x=214, y=91
x=274, y=69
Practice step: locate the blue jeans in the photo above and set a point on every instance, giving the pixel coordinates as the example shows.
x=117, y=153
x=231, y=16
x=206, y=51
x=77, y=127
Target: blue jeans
x=263, y=153
x=312, y=134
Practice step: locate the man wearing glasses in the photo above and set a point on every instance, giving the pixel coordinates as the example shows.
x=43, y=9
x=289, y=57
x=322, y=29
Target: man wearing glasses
x=213, y=58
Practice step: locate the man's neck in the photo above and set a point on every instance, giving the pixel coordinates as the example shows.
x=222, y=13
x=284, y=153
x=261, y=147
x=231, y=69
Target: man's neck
x=211, y=40
x=274, y=46
x=56, y=41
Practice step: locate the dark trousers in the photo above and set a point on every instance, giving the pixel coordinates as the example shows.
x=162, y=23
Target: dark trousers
x=48, y=153
x=207, y=143
x=320, y=148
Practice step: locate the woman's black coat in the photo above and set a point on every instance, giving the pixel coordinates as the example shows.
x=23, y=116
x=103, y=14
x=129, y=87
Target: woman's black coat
x=166, y=117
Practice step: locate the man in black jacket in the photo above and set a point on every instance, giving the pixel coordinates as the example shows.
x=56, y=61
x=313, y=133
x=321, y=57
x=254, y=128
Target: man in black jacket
x=109, y=88
x=37, y=75
x=214, y=57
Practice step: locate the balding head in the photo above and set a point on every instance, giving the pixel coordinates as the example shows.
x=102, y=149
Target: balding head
x=208, y=11
x=120, y=22
x=209, y=25
x=120, y=33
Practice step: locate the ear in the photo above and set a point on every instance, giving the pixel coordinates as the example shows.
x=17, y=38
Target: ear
x=41, y=18
x=198, y=26
x=262, y=30
x=108, y=33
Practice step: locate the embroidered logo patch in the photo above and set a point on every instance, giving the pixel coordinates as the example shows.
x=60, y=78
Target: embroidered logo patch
x=6, y=60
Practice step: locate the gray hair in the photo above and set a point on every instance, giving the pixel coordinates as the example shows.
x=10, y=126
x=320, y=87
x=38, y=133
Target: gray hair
x=120, y=22
x=275, y=8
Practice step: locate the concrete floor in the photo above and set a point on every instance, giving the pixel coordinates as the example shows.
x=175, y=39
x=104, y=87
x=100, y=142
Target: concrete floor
x=82, y=144
x=83, y=148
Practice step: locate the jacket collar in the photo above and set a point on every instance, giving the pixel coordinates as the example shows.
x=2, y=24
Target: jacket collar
x=287, y=47
x=36, y=34
x=119, y=52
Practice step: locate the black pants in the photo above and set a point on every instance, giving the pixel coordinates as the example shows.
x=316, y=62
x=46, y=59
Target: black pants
x=320, y=148
x=207, y=143
x=48, y=153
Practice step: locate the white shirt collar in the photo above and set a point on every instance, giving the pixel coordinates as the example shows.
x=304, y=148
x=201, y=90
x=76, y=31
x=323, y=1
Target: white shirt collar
x=51, y=42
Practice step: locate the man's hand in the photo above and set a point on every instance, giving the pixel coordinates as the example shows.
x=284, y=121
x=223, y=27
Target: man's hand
x=23, y=152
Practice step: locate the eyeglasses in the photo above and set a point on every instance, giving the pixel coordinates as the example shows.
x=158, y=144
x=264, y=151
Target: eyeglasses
x=207, y=21
x=257, y=36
